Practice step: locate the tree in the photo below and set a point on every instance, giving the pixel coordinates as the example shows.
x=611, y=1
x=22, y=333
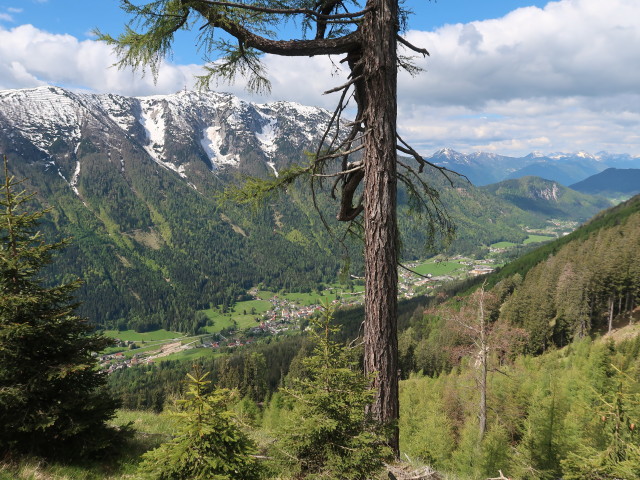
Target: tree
x=368, y=38
x=52, y=397
x=328, y=434
x=208, y=443
x=480, y=337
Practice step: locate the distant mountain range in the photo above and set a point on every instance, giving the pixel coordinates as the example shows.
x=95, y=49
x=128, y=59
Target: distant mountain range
x=134, y=181
x=566, y=168
x=611, y=183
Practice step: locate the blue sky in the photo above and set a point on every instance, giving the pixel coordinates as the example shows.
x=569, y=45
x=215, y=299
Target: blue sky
x=80, y=17
x=506, y=76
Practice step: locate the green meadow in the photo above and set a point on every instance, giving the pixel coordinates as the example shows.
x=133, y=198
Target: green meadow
x=537, y=238
x=438, y=267
x=239, y=316
x=133, y=336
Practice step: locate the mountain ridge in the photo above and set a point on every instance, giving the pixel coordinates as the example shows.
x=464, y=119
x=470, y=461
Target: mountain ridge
x=483, y=168
x=612, y=182
x=135, y=182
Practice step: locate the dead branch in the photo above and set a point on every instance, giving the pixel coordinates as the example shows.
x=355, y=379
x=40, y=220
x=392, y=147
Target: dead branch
x=355, y=167
x=411, y=270
x=411, y=46
x=345, y=85
x=501, y=477
x=400, y=473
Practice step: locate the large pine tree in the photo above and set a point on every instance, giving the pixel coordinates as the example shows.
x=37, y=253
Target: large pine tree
x=52, y=398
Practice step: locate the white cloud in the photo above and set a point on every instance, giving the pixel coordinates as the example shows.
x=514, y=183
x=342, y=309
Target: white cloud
x=565, y=76
x=30, y=57
x=560, y=78
x=5, y=17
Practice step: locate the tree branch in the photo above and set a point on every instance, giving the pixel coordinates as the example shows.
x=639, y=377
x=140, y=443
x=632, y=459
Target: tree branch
x=287, y=48
x=411, y=46
x=409, y=150
x=290, y=11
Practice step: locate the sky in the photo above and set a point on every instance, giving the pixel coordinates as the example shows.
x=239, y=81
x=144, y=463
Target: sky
x=504, y=76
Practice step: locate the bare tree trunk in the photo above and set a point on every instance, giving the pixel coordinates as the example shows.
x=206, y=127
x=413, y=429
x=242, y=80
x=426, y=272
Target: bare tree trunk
x=482, y=414
x=610, y=313
x=381, y=238
x=619, y=304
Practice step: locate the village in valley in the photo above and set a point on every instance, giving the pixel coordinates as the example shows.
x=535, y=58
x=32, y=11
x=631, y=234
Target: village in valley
x=285, y=313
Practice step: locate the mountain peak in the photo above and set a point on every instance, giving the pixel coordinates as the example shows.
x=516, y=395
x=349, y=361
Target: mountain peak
x=178, y=131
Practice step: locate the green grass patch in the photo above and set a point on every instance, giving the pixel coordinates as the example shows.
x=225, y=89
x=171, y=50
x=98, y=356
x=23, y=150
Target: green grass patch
x=503, y=245
x=265, y=294
x=133, y=336
x=220, y=321
x=260, y=306
x=537, y=239
x=438, y=268
x=147, y=422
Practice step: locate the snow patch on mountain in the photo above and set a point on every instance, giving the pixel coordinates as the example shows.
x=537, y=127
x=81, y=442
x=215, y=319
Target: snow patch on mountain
x=267, y=136
x=43, y=115
x=273, y=167
x=119, y=109
x=212, y=143
x=74, y=180
x=152, y=120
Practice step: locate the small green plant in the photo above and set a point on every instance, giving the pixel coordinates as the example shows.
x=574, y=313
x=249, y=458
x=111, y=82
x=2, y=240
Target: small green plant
x=208, y=444
x=327, y=433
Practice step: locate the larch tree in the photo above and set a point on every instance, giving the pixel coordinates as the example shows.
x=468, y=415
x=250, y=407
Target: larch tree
x=233, y=36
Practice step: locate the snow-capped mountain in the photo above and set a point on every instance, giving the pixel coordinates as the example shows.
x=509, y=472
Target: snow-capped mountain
x=483, y=168
x=182, y=132
x=135, y=182
x=480, y=168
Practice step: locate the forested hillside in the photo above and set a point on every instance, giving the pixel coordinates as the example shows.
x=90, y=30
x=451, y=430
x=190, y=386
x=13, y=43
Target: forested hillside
x=577, y=286
x=611, y=183
x=556, y=399
x=546, y=197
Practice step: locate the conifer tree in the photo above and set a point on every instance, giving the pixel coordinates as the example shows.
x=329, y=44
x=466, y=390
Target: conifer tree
x=208, y=444
x=619, y=413
x=328, y=434
x=52, y=398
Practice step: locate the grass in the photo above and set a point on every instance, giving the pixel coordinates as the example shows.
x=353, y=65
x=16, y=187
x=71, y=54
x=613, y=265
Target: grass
x=438, y=268
x=503, y=245
x=537, y=238
x=133, y=336
x=192, y=354
x=236, y=316
x=260, y=306
x=145, y=422
x=150, y=429
x=528, y=240
x=314, y=298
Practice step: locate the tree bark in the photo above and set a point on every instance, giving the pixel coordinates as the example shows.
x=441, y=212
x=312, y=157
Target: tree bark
x=380, y=220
